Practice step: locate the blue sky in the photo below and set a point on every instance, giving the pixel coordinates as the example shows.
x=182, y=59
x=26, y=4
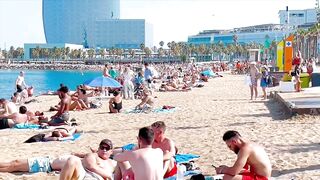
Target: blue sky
x=173, y=20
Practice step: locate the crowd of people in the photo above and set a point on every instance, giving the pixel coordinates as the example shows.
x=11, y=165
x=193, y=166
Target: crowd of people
x=153, y=156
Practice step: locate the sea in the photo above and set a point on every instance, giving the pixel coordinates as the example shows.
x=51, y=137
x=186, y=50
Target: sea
x=43, y=80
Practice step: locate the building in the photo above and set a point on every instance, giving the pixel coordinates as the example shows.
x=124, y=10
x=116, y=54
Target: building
x=257, y=34
x=92, y=24
x=29, y=47
x=298, y=17
x=123, y=33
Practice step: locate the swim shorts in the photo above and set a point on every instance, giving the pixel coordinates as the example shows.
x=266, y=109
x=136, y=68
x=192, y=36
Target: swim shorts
x=88, y=175
x=252, y=176
x=39, y=164
x=173, y=171
x=4, y=124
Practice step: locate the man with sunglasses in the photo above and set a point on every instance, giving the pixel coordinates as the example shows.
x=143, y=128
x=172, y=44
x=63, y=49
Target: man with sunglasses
x=252, y=163
x=93, y=166
x=72, y=166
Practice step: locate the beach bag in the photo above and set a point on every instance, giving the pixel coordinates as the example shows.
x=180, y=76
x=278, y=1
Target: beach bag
x=247, y=80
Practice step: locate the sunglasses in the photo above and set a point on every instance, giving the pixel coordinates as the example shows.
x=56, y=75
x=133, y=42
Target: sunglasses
x=105, y=148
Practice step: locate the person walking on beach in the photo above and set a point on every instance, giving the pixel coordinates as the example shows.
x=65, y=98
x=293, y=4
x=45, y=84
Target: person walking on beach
x=62, y=116
x=264, y=80
x=106, y=71
x=252, y=162
x=20, y=82
x=254, y=76
x=148, y=75
x=128, y=86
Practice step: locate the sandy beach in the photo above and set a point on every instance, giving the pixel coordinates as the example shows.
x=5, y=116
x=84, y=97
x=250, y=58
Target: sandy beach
x=197, y=126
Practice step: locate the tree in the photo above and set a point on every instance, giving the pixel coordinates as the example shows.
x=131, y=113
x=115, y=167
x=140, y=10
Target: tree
x=35, y=52
x=102, y=52
x=132, y=52
x=161, y=43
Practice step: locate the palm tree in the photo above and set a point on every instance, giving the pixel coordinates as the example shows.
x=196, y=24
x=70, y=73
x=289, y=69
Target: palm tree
x=20, y=52
x=161, y=43
x=67, y=52
x=235, y=39
x=102, y=52
x=35, y=52
x=132, y=52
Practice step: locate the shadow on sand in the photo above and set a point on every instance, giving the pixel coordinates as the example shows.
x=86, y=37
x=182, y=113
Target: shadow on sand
x=190, y=127
x=277, y=173
x=277, y=110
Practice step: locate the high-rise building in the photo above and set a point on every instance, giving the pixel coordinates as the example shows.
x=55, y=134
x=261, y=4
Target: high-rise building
x=89, y=22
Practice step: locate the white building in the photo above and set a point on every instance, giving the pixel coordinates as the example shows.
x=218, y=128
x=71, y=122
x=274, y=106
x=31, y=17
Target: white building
x=298, y=17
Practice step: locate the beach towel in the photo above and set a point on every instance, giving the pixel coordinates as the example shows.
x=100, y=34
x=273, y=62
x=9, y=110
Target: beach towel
x=185, y=158
x=75, y=137
x=26, y=126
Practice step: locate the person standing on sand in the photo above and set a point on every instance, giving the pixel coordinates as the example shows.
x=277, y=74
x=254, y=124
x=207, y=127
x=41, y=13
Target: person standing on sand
x=62, y=116
x=20, y=83
x=254, y=76
x=106, y=71
x=252, y=163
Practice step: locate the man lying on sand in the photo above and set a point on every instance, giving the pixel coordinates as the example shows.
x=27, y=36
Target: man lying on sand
x=145, y=162
x=91, y=162
x=93, y=166
x=252, y=163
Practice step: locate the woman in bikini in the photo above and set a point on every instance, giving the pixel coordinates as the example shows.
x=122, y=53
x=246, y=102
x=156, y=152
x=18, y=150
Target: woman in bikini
x=115, y=103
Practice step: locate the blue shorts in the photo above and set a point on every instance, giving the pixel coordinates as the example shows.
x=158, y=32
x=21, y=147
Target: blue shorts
x=39, y=164
x=263, y=84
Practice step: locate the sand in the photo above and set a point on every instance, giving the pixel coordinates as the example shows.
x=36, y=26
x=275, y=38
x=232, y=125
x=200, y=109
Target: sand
x=197, y=126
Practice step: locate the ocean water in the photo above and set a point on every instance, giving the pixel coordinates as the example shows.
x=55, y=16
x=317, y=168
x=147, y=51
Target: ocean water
x=43, y=80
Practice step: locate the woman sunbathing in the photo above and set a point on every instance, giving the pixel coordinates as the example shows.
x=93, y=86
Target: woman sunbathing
x=58, y=134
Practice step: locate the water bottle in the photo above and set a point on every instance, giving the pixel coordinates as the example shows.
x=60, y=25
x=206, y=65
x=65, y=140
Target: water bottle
x=181, y=170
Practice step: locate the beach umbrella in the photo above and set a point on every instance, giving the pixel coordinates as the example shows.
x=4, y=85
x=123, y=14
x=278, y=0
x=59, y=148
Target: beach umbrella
x=102, y=81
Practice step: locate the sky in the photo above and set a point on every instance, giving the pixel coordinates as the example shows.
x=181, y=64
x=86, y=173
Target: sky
x=172, y=20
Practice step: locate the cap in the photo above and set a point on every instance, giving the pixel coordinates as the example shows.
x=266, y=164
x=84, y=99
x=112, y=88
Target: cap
x=106, y=142
x=253, y=63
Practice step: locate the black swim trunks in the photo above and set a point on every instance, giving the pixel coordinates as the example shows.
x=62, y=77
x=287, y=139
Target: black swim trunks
x=4, y=124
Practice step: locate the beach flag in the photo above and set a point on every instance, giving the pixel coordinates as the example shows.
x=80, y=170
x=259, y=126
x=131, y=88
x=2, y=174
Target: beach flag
x=288, y=53
x=280, y=55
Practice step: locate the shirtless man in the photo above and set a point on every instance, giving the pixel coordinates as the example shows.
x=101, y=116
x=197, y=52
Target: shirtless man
x=34, y=165
x=146, y=102
x=92, y=166
x=62, y=116
x=17, y=118
x=167, y=146
x=252, y=162
x=9, y=107
x=146, y=162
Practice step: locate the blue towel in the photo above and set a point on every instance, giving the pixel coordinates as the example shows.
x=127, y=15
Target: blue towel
x=75, y=137
x=184, y=158
x=129, y=147
x=26, y=126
